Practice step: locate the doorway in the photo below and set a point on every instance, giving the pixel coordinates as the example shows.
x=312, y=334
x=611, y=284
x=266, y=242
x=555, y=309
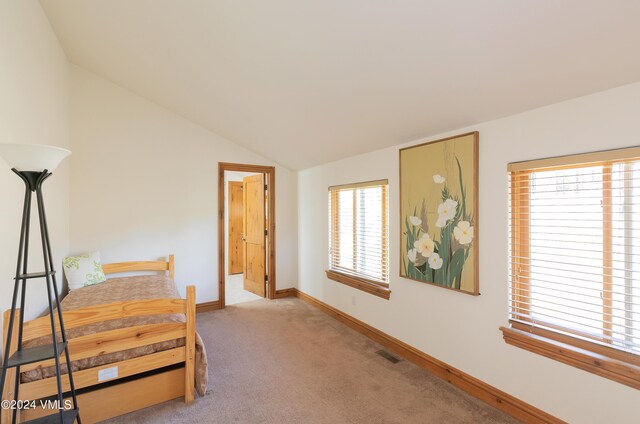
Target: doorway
x=246, y=232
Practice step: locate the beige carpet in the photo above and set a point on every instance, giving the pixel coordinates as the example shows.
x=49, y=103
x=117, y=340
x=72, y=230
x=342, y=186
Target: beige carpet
x=284, y=361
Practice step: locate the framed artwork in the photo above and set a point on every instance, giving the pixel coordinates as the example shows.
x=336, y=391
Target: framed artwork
x=439, y=213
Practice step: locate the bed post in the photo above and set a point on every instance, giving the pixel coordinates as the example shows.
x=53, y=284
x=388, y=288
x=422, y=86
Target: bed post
x=7, y=390
x=190, y=346
x=172, y=267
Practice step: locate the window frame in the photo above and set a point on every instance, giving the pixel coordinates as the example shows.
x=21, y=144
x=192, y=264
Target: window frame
x=348, y=276
x=570, y=347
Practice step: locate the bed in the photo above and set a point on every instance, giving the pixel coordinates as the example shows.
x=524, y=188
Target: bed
x=132, y=343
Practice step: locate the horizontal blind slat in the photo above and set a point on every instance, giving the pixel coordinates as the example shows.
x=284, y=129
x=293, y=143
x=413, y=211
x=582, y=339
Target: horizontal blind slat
x=540, y=302
x=582, y=273
x=574, y=249
x=567, y=318
x=522, y=180
x=599, y=290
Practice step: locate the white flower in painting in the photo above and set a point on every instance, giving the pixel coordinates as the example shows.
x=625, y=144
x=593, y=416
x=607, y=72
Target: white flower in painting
x=415, y=258
x=446, y=212
x=438, y=179
x=424, y=245
x=412, y=255
x=435, y=261
x=415, y=221
x=463, y=232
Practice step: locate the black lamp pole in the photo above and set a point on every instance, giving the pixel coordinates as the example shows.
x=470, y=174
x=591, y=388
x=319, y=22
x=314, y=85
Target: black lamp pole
x=33, y=184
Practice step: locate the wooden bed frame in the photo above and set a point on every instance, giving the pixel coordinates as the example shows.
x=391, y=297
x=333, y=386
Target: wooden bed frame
x=113, y=399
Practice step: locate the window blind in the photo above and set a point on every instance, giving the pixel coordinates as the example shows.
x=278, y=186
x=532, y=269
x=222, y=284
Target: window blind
x=575, y=246
x=358, y=236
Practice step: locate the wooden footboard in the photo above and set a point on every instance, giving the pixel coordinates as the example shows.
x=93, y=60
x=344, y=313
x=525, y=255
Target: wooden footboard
x=120, y=399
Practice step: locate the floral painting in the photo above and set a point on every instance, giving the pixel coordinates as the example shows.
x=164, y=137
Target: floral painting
x=439, y=213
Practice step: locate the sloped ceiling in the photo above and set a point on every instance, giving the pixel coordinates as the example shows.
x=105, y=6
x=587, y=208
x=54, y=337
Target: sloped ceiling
x=307, y=82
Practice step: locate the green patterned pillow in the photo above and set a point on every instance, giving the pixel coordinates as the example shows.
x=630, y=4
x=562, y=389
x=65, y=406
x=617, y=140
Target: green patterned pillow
x=83, y=270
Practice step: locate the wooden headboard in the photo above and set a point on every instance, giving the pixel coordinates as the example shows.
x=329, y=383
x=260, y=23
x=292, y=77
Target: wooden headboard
x=141, y=266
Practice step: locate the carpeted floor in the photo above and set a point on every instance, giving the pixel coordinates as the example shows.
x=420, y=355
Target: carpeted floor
x=284, y=361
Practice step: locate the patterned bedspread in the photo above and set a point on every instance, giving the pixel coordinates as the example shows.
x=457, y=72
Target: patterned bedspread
x=121, y=290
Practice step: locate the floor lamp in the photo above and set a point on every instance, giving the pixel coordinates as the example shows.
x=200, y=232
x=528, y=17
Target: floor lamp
x=34, y=164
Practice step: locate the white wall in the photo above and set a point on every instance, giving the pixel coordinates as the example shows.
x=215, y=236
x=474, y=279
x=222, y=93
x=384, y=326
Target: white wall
x=33, y=109
x=144, y=184
x=459, y=329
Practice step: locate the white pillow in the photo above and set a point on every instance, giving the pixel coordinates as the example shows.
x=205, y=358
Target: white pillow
x=83, y=270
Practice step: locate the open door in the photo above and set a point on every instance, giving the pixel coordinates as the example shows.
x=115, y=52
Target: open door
x=254, y=234
x=235, y=211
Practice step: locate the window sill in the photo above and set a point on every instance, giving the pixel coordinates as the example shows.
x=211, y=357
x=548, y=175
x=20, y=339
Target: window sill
x=360, y=283
x=604, y=361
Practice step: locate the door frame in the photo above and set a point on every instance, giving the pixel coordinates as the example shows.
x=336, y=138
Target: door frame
x=270, y=173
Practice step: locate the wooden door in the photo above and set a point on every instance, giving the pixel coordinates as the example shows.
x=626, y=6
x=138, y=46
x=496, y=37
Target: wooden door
x=235, y=212
x=254, y=234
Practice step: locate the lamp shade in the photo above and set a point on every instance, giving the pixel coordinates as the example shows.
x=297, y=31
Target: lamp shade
x=33, y=157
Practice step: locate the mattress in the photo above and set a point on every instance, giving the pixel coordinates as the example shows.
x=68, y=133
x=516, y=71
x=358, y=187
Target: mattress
x=121, y=290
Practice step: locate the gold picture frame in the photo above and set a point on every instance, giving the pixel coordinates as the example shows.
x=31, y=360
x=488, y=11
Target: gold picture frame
x=439, y=213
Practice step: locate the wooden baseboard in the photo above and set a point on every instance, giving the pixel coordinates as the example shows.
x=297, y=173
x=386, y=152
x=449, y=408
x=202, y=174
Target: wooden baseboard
x=285, y=293
x=475, y=387
x=208, y=306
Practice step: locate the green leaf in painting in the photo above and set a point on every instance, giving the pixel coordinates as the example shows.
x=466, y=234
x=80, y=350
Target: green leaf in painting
x=455, y=269
x=404, y=266
x=423, y=217
x=462, y=192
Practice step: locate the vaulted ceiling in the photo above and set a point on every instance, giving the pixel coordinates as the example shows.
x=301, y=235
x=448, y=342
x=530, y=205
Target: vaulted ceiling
x=307, y=82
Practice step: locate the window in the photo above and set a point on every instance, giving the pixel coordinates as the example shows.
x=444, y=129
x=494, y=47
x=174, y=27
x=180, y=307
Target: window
x=575, y=261
x=359, y=236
